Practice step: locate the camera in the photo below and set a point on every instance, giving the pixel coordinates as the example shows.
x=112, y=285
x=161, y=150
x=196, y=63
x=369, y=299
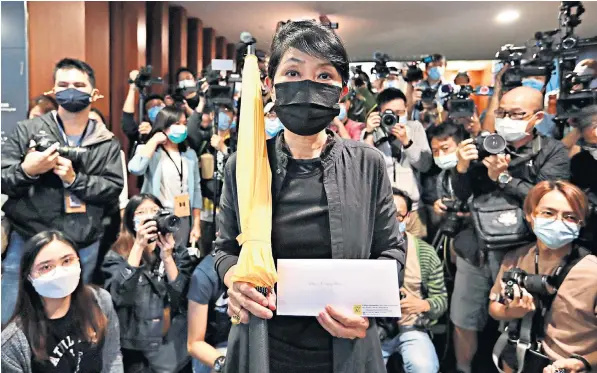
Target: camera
x=144, y=78
x=166, y=222
x=535, y=284
x=388, y=120
x=460, y=104
x=540, y=65
x=452, y=223
x=381, y=67
x=428, y=95
x=489, y=144
x=43, y=142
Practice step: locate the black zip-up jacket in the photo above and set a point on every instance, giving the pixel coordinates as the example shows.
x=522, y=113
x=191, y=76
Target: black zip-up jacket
x=38, y=204
x=140, y=298
x=363, y=225
x=550, y=162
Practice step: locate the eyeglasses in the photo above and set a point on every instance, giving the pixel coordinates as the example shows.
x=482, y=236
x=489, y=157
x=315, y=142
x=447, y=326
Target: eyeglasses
x=147, y=211
x=401, y=217
x=271, y=115
x=552, y=215
x=48, y=268
x=515, y=115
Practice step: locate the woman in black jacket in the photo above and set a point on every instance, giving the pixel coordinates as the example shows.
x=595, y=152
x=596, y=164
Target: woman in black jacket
x=332, y=199
x=148, y=278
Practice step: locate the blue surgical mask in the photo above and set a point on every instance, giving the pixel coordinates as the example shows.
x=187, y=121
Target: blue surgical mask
x=342, y=114
x=445, y=162
x=533, y=83
x=273, y=127
x=402, y=227
x=392, y=84
x=152, y=113
x=555, y=233
x=224, y=122
x=177, y=133
x=434, y=73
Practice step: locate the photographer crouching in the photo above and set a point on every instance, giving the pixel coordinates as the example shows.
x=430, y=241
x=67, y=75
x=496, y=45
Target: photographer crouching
x=61, y=171
x=405, y=149
x=498, y=171
x=547, y=291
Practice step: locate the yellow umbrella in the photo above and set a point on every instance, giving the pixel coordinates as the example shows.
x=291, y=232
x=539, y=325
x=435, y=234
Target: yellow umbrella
x=254, y=180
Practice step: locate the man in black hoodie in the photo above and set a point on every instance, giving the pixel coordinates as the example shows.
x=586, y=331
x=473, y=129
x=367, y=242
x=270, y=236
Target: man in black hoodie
x=52, y=190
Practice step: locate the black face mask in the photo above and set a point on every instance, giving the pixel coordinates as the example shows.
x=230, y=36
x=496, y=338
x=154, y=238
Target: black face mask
x=307, y=107
x=73, y=100
x=193, y=102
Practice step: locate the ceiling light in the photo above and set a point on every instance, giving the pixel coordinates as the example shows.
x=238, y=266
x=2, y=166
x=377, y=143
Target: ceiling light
x=507, y=16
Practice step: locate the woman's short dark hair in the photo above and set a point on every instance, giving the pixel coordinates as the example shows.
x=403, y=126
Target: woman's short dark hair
x=407, y=200
x=390, y=94
x=445, y=130
x=99, y=114
x=313, y=39
x=168, y=116
x=30, y=313
x=126, y=238
x=46, y=104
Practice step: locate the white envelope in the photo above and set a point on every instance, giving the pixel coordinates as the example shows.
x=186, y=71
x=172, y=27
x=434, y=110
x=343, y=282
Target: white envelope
x=367, y=288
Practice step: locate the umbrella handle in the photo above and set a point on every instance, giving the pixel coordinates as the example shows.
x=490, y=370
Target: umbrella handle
x=258, y=341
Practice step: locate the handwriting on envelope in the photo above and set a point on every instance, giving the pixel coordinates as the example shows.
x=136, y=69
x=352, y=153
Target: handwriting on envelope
x=366, y=288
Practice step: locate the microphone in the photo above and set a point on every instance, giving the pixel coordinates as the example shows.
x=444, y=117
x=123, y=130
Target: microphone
x=247, y=38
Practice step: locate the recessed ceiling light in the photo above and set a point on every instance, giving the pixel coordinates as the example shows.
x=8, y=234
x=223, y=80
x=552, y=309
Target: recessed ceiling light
x=507, y=16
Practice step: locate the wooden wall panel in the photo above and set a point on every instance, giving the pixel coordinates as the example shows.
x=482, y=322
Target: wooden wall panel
x=158, y=19
x=231, y=51
x=195, y=45
x=209, y=45
x=221, y=50
x=97, y=51
x=50, y=40
x=178, y=39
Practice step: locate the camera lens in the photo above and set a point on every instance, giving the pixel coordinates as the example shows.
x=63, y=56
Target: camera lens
x=172, y=223
x=494, y=144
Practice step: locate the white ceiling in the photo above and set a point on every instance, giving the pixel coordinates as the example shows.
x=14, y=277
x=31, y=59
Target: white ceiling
x=460, y=30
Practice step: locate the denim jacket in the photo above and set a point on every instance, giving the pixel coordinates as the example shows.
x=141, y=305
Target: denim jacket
x=363, y=225
x=150, y=167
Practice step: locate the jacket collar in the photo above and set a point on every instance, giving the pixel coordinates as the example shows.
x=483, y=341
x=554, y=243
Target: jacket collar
x=331, y=151
x=99, y=133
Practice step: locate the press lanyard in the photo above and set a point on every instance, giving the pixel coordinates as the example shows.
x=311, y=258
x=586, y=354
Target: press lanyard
x=63, y=132
x=180, y=172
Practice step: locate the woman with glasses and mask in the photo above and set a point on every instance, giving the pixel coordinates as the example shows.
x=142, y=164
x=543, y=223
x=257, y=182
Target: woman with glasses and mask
x=147, y=275
x=332, y=199
x=556, y=210
x=59, y=324
x=171, y=172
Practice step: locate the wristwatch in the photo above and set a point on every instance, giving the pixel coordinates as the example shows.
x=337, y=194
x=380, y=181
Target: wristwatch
x=504, y=178
x=219, y=364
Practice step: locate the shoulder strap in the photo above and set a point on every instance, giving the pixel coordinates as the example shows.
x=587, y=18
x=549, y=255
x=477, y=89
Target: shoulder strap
x=536, y=148
x=576, y=256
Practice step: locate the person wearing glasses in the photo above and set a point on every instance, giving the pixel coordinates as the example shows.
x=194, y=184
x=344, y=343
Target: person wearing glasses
x=406, y=151
x=424, y=299
x=59, y=324
x=501, y=180
x=556, y=211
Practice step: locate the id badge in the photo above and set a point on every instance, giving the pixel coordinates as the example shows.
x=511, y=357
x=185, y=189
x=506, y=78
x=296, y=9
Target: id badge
x=73, y=205
x=182, y=205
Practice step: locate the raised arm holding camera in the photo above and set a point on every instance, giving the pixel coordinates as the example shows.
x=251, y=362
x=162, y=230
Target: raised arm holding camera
x=65, y=181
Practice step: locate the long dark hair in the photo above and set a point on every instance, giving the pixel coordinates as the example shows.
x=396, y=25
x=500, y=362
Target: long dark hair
x=126, y=238
x=30, y=313
x=168, y=116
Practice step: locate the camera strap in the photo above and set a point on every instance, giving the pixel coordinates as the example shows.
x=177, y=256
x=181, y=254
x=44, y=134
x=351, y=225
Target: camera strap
x=179, y=171
x=63, y=132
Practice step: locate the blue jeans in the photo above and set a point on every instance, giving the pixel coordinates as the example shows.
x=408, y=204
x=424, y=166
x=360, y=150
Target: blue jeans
x=11, y=271
x=199, y=367
x=417, y=351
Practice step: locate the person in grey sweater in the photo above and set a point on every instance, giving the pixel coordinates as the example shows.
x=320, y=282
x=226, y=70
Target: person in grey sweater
x=60, y=324
x=406, y=151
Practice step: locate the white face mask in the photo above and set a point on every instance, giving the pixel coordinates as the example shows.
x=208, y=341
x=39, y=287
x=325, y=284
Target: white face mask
x=592, y=151
x=402, y=119
x=59, y=284
x=510, y=129
x=445, y=162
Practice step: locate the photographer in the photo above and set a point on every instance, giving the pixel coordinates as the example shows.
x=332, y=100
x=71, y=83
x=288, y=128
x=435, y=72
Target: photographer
x=405, y=149
x=434, y=71
x=66, y=181
x=498, y=183
x=551, y=286
x=582, y=167
x=153, y=105
x=362, y=84
x=187, y=83
x=424, y=299
x=147, y=276
x=472, y=125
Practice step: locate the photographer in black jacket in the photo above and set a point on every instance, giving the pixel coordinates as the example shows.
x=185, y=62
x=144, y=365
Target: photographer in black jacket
x=498, y=183
x=66, y=186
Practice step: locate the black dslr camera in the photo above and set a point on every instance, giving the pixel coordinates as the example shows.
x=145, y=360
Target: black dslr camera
x=539, y=285
x=388, y=120
x=144, y=79
x=43, y=142
x=452, y=223
x=460, y=104
x=489, y=144
x=166, y=222
x=381, y=67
